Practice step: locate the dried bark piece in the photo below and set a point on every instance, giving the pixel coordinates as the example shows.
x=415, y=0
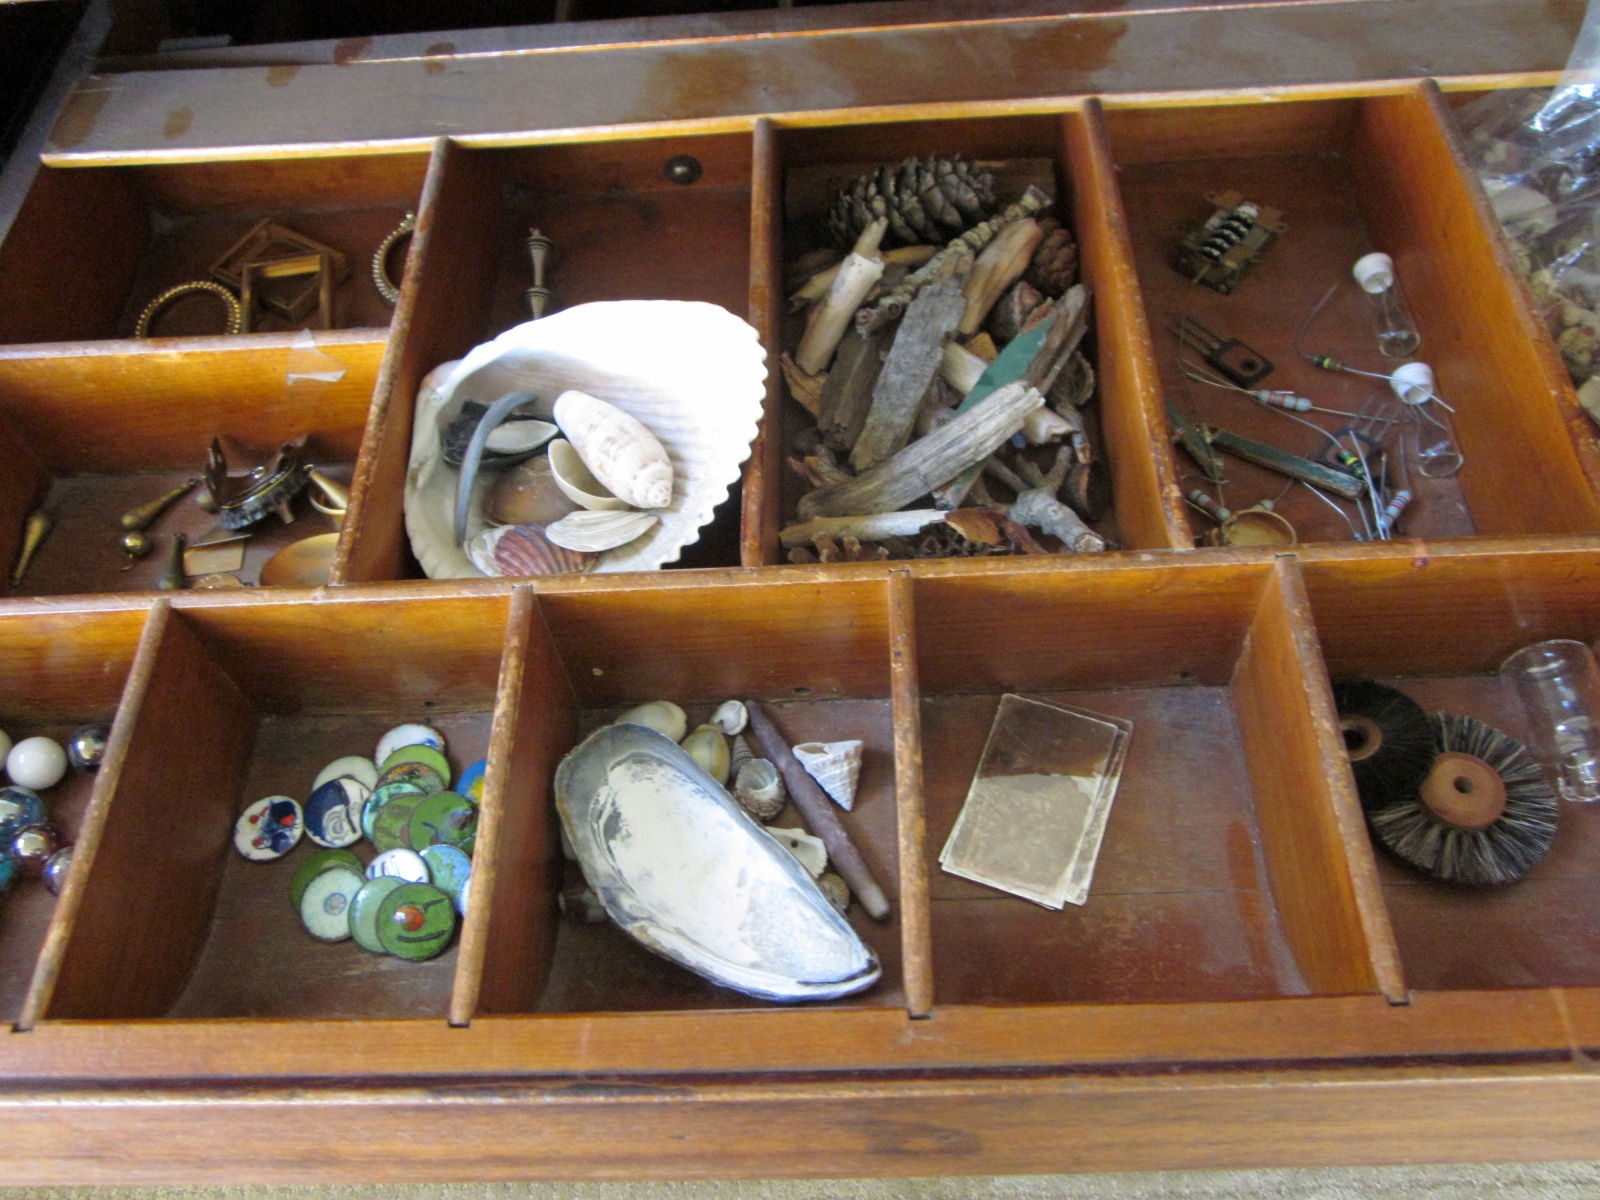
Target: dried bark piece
x=806, y=389
x=1015, y=306
x=996, y=269
x=860, y=270
x=877, y=527
x=976, y=525
x=913, y=359
x=943, y=454
x=847, y=395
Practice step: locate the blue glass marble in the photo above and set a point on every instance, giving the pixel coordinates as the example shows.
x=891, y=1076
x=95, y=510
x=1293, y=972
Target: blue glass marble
x=19, y=807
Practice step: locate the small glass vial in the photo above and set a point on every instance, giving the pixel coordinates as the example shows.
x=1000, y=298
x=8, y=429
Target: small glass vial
x=1397, y=332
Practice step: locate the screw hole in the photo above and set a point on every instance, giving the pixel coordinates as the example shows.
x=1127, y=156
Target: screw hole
x=1464, y=785
x=682, y=168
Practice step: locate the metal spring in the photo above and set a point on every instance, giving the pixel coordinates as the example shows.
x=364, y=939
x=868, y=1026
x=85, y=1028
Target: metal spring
x=1233, y=229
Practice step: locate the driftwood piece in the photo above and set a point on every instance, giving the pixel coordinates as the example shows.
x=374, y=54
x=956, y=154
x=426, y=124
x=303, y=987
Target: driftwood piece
x=955, y=257
x=1010, y=313
x=847, y=396
x=996, y=269
x=806, y=389
x=1039, y=507
x=820, y=813
x=857, y=273
x=817, y=286
x=966, y=440
x=913, y=359
x=872, y=527
x=961, y=368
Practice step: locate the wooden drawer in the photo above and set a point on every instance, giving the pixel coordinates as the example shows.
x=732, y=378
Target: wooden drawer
x=1249, y=983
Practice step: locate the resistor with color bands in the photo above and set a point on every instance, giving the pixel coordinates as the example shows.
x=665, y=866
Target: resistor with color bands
x=1217, y=512
x=1285, y=400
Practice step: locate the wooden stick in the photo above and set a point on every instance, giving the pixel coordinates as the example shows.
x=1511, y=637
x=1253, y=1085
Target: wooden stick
x=916, y=928
x=819, y=813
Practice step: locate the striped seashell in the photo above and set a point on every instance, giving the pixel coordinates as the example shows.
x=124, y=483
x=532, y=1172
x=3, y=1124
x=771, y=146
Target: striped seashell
x=618, y=450
x=595, y=532
x=517, y=551
x=691, y=373
x=759, y=788
x=835, y=765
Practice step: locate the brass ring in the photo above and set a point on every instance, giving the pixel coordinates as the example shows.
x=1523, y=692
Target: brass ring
x=380, y=260
x=148, y=316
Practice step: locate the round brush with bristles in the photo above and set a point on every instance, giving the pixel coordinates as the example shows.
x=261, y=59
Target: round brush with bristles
x=1388, y=738
x=1484, y=814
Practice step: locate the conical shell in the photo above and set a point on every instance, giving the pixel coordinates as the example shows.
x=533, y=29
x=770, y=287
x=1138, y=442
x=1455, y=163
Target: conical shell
x=835, y=765
x=731, y=717
x=738, y=756
x=594, y=532
x=709, y=748
x=617, y=448
x=691, y=372
x=759, y=787
x=813, y=855
x=661, y=715
x=516, y=551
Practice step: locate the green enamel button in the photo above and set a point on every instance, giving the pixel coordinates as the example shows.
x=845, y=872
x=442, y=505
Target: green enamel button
x=391, y=828
x=316, y=865
x=418, y=774
x=364, y=911
x=444, y=819
x=416, y=921
x=426, y=756
x=380, y=799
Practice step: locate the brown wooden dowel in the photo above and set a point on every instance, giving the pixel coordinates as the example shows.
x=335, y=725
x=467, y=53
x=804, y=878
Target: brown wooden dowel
x=819, y=813
x=916, y=922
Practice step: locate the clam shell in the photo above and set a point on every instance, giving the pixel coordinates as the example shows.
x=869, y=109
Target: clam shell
x=709, y=748
x=618, y=450
x=692, y=373
x=527, y=494
x=835, y=765
x=813, y=855
x=517, y=551
x=663, y=716
x=731, y=717
x=575, y=479
x=598, y=531
x=759, y=788
x=689, y=875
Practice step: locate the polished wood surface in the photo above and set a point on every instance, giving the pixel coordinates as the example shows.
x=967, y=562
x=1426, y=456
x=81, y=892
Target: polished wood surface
x=910, y=818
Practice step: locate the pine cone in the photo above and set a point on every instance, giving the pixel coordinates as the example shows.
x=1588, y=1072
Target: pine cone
x=928, y=201
x=1054, y=267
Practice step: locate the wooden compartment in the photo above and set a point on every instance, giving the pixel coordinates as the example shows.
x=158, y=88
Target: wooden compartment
x=621, y=230
x=162, y=917
x=94, y=431
x=57, y=672
x=799, y=169
x=1351, y=174
x=1233, y=866
x=816, y=654
x=131, y=232
x=1438, y=629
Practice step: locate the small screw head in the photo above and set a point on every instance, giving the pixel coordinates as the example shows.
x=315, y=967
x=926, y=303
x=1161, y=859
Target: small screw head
x=682, y=168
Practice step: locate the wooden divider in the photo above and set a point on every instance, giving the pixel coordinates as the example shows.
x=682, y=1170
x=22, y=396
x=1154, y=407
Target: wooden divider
x=145, y=873
x=443, y=306
x=1516, y=413
x=1144, y=474
x=762, y=499
x=22, y=485
x=916, y=928
x=1314, y=839
x=508, y=936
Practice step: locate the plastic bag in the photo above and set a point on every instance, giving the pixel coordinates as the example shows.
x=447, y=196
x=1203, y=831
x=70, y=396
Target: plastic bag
x=1537, y=151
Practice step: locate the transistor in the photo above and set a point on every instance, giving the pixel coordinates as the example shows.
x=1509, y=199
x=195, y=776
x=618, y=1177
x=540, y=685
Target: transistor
x=1220, y=252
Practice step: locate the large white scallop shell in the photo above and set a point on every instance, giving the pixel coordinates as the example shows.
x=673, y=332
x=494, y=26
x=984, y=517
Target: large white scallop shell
x=692, y=373
x=683, y=869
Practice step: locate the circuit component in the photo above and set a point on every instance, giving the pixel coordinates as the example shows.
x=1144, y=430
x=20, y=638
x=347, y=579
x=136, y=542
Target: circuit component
x=1221, y=251
x=1244, y=366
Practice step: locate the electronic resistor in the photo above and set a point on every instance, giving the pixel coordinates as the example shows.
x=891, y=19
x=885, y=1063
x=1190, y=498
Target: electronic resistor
x=1213, y=509
x=1325, y=362
x=1230, y=231
x=1396, y=506
x=1284, y=400
x=1351, y=462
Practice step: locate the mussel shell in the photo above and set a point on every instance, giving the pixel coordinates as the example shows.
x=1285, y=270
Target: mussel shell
x=508, y=445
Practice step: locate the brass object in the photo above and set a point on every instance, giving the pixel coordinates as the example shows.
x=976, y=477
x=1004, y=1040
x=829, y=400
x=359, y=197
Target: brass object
x=1258, y=526
x=538, y=251
x=305, y=563
x=172, y=577
x=135, y=545
x=318, y=265
x=387, y=288
x=269, y=242
x=34, y=533
x=243, y=501
x=145, y=515
x=147, y=318
x=328, y=497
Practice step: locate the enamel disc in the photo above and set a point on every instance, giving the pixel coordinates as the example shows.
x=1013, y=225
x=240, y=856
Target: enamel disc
x=352, y=765
x=325, y=907
x=405, y=865
x=408, y=735
x=268, y=829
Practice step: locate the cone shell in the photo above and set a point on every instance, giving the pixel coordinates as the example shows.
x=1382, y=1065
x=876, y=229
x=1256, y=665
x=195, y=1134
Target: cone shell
x=731, y=717
x=709, y=748
x=759, y=787
x=517, y=551
x=738, y=756
x=617, y=448
x=835, y=765
x=692, y=373
x=661, y=715
x=594, y=532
